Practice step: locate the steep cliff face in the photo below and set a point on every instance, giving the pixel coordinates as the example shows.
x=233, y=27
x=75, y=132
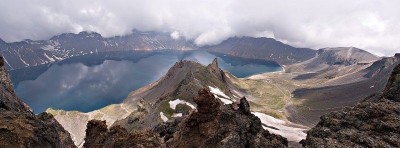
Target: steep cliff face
x=392, y=90
x=19, y=127
x=9, y=101
x=372, y=123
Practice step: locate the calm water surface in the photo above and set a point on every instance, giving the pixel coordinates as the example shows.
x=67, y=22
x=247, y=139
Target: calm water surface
x=86, y=87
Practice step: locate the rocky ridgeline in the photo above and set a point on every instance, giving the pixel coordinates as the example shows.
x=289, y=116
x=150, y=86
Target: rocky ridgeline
x=212, y=125
x=19, y=127
x=372, y=123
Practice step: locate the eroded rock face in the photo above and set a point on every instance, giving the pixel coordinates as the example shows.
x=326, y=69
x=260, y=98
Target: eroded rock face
x=392, y=90
x=98, y=136
x=367, y=124
x=19, y=127
x=216, y=125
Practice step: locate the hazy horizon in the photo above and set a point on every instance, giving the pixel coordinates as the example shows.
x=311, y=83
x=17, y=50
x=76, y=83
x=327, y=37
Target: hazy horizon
x=372, y=26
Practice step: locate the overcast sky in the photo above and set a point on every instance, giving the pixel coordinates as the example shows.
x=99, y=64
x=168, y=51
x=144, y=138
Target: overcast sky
x=373, y=25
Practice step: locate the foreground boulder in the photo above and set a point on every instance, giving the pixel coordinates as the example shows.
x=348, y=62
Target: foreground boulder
x=372, y=123
x=19, y=127
x=216, y=125
x=98, y=136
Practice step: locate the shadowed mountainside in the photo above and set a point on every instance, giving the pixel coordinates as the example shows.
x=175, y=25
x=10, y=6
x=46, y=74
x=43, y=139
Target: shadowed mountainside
x=371, y=123
x=19, y=127
x=263, y=48
x=343, y=88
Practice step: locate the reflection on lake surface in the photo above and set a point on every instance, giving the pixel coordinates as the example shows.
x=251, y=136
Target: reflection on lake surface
x=86, y=87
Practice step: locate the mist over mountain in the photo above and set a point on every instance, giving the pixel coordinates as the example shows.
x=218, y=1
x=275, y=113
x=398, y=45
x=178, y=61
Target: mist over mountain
x=199, y=73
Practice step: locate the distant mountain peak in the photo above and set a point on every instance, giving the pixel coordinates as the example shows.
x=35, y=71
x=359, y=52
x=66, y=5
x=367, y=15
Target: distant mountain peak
x=2, y=41
x=89, y=34
x=346, y=56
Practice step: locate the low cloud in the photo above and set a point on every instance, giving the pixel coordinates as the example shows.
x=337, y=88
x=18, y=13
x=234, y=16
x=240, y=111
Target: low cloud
x=373, y=25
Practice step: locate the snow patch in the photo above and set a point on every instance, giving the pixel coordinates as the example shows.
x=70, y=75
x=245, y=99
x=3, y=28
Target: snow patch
x=217, y=91
x=225, y=101
x=51, y=59
x=163, y=117
x=220, y=95
x=291, y=133
x=174, y=103
x=52, y=46
x=177, y=115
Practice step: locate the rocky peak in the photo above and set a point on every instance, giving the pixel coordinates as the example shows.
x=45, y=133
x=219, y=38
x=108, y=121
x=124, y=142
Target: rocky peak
x=216, y=125
x=86, y=34
x=214, y=64
x=206, y=102
x=244, y=106
x=345, y=56
x=2, y=41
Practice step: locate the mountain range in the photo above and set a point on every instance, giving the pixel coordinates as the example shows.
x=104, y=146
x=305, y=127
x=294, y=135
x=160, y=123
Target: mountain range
x=29, y=53
x=342, y=97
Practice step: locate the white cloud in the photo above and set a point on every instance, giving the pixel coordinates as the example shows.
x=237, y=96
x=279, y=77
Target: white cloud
x=373, y=25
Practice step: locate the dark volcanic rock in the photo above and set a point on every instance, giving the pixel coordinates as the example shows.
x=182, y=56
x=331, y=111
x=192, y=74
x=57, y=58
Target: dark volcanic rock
x=9, y=100
x=98, y=136
x=392, y=90
x=19, y=127
x=368, y=124
x=216, y=125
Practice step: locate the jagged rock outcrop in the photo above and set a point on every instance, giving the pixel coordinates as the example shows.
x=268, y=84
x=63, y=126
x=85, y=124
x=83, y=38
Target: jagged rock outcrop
x=372, y=123
x=19, y=127
x=98, y=136
x=211, y=125
x=392, y=90
x=182, y=81
x=216, y=125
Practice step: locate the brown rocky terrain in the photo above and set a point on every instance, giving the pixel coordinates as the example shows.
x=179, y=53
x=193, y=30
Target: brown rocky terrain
x=211, y=125
x=216, y=125
x=19, y=127
x=371, y=123
x=98, y=136
x=181, y=82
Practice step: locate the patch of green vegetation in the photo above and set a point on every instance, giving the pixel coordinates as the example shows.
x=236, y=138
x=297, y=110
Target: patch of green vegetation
x=164, y=107
x=262, y=109
x=181, y=108
x=268, y=94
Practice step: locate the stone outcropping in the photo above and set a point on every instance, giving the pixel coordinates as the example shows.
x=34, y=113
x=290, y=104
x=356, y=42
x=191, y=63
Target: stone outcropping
x=19, y=127
x=372, y=123
x=216, y=125
x=98, y=136
x=182, y=81
x=211, y=125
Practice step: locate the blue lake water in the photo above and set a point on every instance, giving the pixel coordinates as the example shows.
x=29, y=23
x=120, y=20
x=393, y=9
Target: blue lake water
x=76, y=85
